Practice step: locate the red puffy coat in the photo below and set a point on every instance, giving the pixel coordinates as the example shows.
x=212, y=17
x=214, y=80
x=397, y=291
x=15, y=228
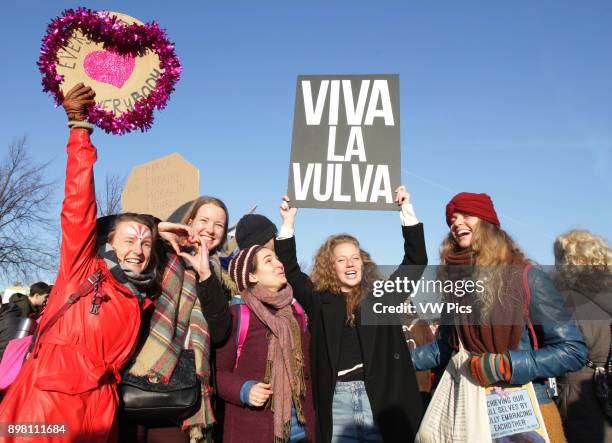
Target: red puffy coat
x=73, y=379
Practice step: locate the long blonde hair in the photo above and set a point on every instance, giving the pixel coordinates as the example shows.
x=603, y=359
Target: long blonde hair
x=324, y=275
x=492, y=250
x=583, y=261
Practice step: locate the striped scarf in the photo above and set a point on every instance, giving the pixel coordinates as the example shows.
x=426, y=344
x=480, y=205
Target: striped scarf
x=177, y=323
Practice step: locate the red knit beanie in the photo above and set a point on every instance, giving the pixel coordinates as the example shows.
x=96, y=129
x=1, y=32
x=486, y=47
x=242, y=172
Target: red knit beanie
x=242, y=264
x=478, y=205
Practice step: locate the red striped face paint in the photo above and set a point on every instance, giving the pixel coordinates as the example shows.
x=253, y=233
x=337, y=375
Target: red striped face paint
x=141, y=232
x=133, y=243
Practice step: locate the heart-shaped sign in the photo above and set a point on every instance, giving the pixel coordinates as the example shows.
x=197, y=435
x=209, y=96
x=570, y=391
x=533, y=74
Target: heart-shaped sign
x=108, y=67
x=132, y=66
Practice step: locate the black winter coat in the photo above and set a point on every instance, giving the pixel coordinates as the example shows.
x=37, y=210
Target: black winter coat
x=27, y=310
x=389, y=376
x=10, y=314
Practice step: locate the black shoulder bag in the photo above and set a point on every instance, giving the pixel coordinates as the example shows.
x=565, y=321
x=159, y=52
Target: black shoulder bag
x=143, y=400
x=602, y=383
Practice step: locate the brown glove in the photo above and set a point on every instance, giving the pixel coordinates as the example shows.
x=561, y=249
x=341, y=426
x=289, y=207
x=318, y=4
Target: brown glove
x=77, y=100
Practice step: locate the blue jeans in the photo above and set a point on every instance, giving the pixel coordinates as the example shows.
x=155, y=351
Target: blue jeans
x=352, y=415
x=298, y=433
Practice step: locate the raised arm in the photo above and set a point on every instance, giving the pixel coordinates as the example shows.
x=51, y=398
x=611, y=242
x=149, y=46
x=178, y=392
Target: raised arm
x=78, y=216
x=415, y=254
x=285, y=248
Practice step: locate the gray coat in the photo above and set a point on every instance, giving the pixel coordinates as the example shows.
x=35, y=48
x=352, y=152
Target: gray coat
x=583, y=419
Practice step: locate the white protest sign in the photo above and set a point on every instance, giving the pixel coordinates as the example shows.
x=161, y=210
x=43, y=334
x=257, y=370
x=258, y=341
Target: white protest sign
x=515, y=411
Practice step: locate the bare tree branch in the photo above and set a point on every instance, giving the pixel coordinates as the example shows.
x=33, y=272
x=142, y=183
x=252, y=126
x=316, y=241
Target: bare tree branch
x=25, y=202
x=109, y=198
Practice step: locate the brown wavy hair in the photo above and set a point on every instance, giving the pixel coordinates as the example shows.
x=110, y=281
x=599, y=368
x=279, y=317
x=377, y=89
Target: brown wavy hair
x=325, y=279
x=491, y=249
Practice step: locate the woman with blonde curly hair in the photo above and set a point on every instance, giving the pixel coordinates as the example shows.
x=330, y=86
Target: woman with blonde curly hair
x=508, y=341
x=365, y=386
x=584, y=276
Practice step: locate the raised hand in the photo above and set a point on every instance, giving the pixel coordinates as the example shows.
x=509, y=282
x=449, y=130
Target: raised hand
x=77, y=100
x=402, y=196
x=288, y=213
x=200, y=261
x=175, y=233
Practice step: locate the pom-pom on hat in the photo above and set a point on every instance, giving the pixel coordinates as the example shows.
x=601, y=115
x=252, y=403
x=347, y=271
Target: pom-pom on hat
x=478, y=205
x=242, y=264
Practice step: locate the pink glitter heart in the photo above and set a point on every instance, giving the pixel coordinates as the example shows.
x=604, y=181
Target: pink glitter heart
x=109, y=67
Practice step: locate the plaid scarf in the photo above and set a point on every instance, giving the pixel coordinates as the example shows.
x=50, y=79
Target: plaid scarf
x=178, y=322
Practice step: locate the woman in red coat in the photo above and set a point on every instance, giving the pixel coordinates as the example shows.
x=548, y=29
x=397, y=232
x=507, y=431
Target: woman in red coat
x=71, y=377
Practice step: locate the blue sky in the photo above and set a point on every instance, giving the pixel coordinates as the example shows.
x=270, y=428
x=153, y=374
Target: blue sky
x=509, y=98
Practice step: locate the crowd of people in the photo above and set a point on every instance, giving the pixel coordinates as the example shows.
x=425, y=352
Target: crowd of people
x=284, y=356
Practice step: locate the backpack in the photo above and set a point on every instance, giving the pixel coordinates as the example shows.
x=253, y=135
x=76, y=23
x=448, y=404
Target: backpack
x=244, y=317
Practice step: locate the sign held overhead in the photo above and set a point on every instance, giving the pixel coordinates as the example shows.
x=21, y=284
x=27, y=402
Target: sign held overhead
x=345, y=151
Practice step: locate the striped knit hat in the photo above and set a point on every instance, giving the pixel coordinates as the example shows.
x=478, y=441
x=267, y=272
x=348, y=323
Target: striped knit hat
x=242, y=264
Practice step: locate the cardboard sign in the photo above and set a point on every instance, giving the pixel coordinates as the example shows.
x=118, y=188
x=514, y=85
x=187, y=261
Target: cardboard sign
x=515, y=411
x=119, y=81
x=345, y=151
x=161, y=186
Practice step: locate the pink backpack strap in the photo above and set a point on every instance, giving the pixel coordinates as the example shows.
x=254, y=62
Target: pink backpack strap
x=534, y=338
x=301, y=315
x=243, y=329
x=244, y=316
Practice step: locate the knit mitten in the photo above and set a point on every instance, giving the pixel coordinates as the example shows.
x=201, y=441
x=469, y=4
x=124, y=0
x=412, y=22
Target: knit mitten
x=488, y=369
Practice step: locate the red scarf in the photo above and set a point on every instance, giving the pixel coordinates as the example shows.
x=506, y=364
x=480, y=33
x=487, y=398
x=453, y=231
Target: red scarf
x=504, y=325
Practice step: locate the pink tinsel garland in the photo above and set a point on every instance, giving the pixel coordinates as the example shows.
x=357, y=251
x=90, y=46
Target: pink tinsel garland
x=132, y=39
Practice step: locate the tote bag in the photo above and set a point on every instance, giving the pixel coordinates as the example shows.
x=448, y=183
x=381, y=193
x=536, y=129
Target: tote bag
x=457, y=411
x=461, y=410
